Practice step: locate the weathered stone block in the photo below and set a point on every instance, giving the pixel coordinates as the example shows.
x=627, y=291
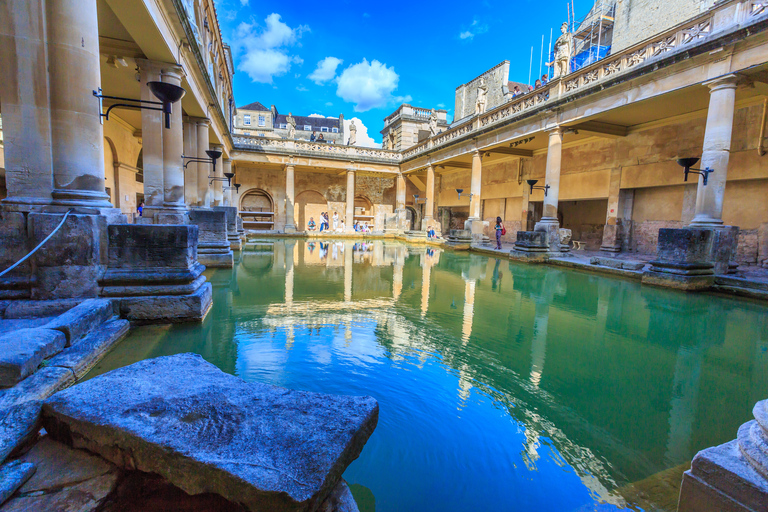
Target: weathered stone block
x=81, y=319
x=168, y=308
x=265, y=447
x=13, y=240
x=12, y=476
x=213, y=248
x=22, y=351
x=133, y=246
x=70, y=263
x=531, y=241
x=39, y=308
x=84, y=354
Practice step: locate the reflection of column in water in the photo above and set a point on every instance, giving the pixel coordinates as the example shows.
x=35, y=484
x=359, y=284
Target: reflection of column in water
x=469, y=310
x=289, y=255
x=539, y=342
x=465, y=386
x=685, y=398
x=603, y=300
x=348, y=272
x=397, y=280
x=426, y=274
x=347, y=332
x=531, y=449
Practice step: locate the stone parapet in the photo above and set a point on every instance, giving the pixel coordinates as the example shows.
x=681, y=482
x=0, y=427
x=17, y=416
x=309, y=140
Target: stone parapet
x=153, y=273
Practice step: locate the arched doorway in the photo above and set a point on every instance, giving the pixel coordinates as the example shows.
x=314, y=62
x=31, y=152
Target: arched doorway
x=309, y=204
x=364, y=211
x=412, y=218
x=110, y=180
x=257, y=209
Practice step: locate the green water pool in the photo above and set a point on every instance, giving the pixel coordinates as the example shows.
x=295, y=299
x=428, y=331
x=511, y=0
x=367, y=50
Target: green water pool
x=501, y=386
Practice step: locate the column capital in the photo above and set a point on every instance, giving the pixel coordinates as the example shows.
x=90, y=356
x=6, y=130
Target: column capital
x=557, y=130
x=201, y=121
x=290, y=165
x=729, y=81
x=172, y=71
x=226, y=160
x=152, y=65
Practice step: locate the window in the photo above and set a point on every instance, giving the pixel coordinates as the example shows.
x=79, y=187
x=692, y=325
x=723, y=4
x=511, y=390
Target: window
x=247, y=119
x=262, y=121
x=307, y=128
x=283, y=125
x=324, y=129
x=335, y=130
x=261, y=135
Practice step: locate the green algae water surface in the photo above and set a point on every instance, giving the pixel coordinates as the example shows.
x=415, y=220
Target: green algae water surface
x=501, y=386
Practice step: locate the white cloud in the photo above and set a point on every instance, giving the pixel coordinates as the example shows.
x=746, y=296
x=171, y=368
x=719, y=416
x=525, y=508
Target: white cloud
x=441, y=105
x=362, y=134
x=326, y=70
x=301, y=88
x=243, y=2
x=316, y=115
x=475, y=28
x=365, y=14
x=264, y=51
x=369, y=85
x=328, y=104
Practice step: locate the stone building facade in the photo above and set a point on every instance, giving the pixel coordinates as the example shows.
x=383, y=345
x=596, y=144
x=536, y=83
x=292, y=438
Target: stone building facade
x=495, y=79
x=409, y=125
x=257, y=120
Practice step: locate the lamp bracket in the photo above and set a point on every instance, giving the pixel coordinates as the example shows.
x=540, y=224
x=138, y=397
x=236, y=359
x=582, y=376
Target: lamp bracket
x=132, y=104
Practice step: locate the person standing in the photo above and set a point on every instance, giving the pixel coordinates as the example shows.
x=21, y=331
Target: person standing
x=141, y=209
x=312, y=137
x=335, y=221
x=500, y=230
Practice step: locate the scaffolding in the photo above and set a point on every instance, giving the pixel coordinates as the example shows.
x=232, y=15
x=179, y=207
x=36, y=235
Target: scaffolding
x=594, y=34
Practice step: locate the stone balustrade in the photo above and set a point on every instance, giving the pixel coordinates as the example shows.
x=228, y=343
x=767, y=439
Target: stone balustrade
x=319, y=149
x=722, y=17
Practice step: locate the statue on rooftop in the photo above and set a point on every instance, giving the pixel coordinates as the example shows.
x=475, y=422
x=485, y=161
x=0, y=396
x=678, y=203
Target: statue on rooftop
x=433, y=123
x=291, y=126
x=482, y=93
x=564, y=48
x=352, y=133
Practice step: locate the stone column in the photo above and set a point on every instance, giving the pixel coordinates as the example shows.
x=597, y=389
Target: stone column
x=173, y=147
x=290, y=197
x=218, y=185
x=429, y=207
x=25, y=100
x=612, y=229
x=151, y=141
x=400, y=193
x=77, y=136
x=350, y=217
x=226, y=164
x=716, y=151
x=203, y=169
x=474, y=223
x=190, y=171
x=549, y=222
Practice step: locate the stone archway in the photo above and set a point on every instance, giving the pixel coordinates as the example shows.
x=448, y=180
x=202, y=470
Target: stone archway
x=111, y=181
x=257, y=209
x=364, y=211
x=412, y=217
x=309, y=204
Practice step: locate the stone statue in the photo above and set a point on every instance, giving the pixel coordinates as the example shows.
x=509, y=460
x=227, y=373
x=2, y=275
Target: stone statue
x=564, y=48
x=291, y=126
x=352, y=133
x=482, y=93
x=433, y=123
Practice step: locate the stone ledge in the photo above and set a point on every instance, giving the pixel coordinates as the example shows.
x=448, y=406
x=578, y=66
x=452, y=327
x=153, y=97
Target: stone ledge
x=81, y=319
x=23, y=350
x=167, y=308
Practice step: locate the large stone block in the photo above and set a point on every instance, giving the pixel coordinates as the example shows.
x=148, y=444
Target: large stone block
x=136, y=246
x=213, y=248
x=683, y=260
x=71, y=262
x=13, y=240
x=168, y=308
x=83, y=318
x=22, y=351
x=205, y=431
x=532, y=241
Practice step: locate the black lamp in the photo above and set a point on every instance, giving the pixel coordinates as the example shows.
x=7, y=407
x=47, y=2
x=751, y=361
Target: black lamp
x=168, y=94
x=416, y=199
x=214, y=155
x=688, y=162
x=545, y=188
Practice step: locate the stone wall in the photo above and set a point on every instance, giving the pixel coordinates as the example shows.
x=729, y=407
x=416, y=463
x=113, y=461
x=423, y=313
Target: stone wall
x=637, y=20
x=466, y=94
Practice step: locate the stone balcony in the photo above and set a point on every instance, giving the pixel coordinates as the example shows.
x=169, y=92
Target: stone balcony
x=316, y=149
x=724, y=19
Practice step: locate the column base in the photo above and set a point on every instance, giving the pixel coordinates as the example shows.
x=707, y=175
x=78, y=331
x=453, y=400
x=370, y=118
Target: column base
x=554, y=235
x=213, y=247
x=683, y=260
x=531, y=246
x=86, y=198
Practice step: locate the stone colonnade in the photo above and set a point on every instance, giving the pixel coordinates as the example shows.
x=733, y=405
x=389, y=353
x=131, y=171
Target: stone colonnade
x=290, y=200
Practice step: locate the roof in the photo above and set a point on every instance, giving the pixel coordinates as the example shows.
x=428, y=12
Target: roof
x=314, y=122
x=254, y=106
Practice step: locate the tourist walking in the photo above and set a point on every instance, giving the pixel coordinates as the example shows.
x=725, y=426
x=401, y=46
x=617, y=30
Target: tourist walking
x=141, y=209
x=500, y=230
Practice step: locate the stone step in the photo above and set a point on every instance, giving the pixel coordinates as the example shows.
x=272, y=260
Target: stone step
x=23, y=350
x=617, y=263
x=12, y=476
x=205, y=431
x=85, y=353
x=83, y=318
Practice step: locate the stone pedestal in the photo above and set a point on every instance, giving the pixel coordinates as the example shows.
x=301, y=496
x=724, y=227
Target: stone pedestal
x=235, y=243
x=213, y=245
x=459, y=238
x=683, y=260
x=732, y=477
x=153, y=273
x=532, y=246
x=612, y=236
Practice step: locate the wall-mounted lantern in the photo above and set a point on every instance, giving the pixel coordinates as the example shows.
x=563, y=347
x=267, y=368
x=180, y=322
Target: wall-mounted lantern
x=688, y=162
x=168, y=94
x=545, y=188
x=416, y=199
x=214, y=155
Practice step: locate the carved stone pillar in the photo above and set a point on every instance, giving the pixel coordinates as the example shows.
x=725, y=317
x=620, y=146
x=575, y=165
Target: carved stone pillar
x=429, y=207
x=549, y=222
x=290, y=223
x=77, y=136
x=475, y=222
x=190, y=171
x=400, y=193
x=612, y=232
x=350, y=217
x=173, y=147
x=26, y=108
x=716, y=152
x=203, y=169
x=152, y=128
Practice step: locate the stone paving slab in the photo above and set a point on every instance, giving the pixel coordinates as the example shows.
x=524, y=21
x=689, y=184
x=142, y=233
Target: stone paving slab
x=205, y=431
x=85, y=353
x=22, y=351
x=83, y=318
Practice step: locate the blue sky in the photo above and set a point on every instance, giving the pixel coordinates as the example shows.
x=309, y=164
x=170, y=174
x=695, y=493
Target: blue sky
x=363, y=59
